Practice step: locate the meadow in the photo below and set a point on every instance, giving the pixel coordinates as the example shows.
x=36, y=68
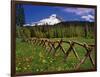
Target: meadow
x=34, y=58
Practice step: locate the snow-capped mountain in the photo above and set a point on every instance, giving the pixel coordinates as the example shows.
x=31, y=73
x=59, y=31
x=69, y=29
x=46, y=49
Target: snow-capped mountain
x=51, y=20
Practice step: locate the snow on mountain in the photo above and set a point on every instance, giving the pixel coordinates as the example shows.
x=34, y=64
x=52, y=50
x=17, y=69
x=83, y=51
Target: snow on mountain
x=51, y=20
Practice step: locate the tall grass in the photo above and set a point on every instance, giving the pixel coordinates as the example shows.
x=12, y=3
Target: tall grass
x=34, y=58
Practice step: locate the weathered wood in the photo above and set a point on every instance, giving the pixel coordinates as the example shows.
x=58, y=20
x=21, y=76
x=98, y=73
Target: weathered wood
x=69, y=50
x=81, y=62
x=90, y=57
x=80, y=44
x=62, y=50
x=50, y=47
x=53, y=46
x=58, y=46
x=85, y=57
x=75, y=53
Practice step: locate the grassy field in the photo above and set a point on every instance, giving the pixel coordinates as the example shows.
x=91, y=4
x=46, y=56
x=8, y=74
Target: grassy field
x=34, y=58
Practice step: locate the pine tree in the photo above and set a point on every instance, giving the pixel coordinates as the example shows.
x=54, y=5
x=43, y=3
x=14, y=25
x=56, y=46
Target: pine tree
x=20, y=19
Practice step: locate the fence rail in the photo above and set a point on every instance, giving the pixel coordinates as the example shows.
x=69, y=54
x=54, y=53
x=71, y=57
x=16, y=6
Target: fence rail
x=53, y=46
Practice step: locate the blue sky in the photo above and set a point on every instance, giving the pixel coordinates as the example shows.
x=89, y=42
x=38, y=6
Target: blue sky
x=34, y=13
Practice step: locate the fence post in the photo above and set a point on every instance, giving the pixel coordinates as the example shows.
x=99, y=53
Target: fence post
x=85, y=57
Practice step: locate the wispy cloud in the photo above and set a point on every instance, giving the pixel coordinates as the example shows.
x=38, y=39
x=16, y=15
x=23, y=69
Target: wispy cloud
x=88, y=18
x=84, y=13
x=79, y=11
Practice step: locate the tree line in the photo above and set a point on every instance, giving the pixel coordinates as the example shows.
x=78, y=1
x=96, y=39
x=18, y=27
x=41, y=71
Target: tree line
x=62, y=30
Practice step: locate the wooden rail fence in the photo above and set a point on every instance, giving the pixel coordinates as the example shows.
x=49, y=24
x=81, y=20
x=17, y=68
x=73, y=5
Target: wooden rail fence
x=53, y=46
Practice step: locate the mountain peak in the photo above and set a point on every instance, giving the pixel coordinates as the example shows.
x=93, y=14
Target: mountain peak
x=53, y=16
x=51, y=20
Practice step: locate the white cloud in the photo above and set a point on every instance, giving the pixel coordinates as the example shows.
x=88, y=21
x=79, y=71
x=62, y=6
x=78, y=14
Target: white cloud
x=91, y=16
x=88, y=17
x=84, y=13
x=80, y=11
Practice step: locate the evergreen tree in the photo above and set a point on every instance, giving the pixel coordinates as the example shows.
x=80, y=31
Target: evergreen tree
x=20, y=19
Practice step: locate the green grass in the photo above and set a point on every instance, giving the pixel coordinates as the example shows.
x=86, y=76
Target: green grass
x=34, y=58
